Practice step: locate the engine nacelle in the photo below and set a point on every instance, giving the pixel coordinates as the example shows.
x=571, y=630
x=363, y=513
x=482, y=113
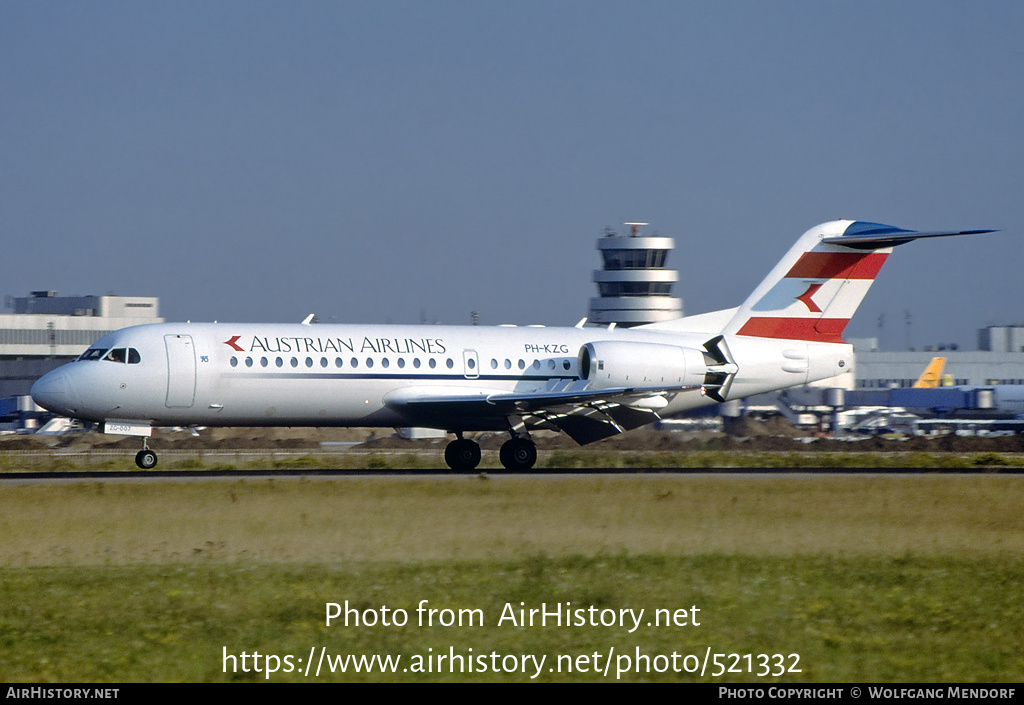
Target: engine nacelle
x=612, y=364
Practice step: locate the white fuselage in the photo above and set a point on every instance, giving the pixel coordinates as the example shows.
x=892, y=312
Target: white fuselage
x=221, y=374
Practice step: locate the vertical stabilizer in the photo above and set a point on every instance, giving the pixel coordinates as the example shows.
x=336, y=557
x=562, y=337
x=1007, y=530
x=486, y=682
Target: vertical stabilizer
x=932, y=375
x=814, y=291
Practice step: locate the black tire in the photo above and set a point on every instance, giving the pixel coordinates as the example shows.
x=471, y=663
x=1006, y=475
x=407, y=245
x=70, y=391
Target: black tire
x=518, y=454
x=462, y=454
x=146, y=459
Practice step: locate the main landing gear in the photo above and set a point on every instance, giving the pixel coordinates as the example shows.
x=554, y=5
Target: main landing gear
x=517, y=453
x=462, y=454
x=145, y=458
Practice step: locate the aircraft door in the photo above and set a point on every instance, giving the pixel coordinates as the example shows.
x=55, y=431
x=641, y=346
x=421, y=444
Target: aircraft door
x=470, y=364
x=181, y=371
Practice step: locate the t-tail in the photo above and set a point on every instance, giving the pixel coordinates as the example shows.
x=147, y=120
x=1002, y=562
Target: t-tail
x=812, y=293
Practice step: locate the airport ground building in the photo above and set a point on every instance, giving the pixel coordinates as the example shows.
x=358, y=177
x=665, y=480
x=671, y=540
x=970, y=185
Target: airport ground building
x=884, y=370
x=634, y=286
x=999, y=359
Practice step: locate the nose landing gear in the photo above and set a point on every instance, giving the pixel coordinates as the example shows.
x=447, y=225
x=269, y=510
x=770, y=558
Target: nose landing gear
x=145, y=458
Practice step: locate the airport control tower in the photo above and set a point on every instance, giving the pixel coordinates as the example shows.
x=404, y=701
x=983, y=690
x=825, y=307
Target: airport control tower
x=634, y=287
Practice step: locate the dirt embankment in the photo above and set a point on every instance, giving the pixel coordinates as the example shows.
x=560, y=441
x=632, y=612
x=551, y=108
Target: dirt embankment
x=771, y=434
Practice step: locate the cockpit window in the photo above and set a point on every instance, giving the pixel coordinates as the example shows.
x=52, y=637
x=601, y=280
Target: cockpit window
x=93, y=354
x=123, y=355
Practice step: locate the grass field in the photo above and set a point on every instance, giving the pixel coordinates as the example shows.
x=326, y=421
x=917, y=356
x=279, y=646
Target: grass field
x=577, y=458
x=865, y=578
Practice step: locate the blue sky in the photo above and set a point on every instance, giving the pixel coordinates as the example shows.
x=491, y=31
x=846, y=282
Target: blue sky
x=385, y=161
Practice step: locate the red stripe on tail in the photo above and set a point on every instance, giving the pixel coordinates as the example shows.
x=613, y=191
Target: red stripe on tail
x=837, y=265
x=822, y=330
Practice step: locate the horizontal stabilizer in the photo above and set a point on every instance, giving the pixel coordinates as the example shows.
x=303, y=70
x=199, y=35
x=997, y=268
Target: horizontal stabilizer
x=871, y=236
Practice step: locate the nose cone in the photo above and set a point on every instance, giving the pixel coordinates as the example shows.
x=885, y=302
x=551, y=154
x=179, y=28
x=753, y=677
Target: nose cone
x=53, y=392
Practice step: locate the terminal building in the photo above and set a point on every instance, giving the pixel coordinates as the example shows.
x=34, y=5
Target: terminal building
x=975, y=385
x=43, y=331
x=634, y=286
x=999, y=359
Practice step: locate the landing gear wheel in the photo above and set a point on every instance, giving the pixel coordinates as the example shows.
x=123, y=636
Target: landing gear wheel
x=462, y=454
x=518, y=454
x=145, y=459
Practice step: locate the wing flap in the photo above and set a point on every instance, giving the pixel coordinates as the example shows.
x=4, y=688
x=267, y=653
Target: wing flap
x=586, y=426
x=586, y=415
x=556, y=393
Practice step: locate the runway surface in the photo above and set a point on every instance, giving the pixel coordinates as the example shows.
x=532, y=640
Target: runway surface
x=419, y=472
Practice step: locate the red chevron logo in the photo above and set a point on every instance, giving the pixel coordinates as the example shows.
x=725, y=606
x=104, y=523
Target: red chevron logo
x=807, y=300
x=233, y=342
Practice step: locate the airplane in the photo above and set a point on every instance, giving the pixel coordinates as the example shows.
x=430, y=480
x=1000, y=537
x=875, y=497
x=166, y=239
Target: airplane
x=932, y=375
x=589, y=382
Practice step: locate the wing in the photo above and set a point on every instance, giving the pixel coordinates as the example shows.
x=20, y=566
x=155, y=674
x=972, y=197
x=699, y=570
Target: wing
x=585, y=415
